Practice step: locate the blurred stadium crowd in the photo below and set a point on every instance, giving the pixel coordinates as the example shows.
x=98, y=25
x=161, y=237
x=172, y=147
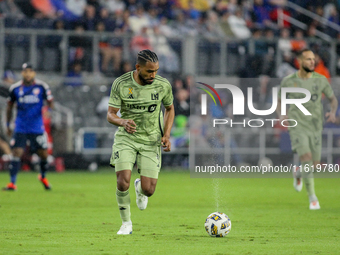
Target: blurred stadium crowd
x=151, y=23
x=155, y=25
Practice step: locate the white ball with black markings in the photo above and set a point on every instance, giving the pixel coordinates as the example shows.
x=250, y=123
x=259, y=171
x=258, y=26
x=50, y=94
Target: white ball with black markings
x=217, y=224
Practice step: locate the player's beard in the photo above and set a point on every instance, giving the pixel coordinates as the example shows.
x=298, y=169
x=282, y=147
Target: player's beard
x=308, y=70
x=144, y=81
x=28, y=81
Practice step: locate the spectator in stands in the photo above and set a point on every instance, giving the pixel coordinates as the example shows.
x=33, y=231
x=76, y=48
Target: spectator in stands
x=333, y=17
x=318, y=11
x=260, y=15
x=74, y=77
x=284, y=43
x=249, y=75
x=153, y=16
x=335, y=126
x=286, y=67
x=238, y=25
x=200, y=5
x=311, y=31
x=189, y=82
x=269, y=55
x=131, y=6
x=141, y=41
x=167, y=9
x=179, y=133
x=109, y=22
x=167, y=57
x=9, y=9
x=177, y=85
x=221, y=7
x=62, y=11
x=304, y=18
x=108, y=51
x=125, y=67
x=320, y=67
x=274, y=6
x=95, y=4
x=80, y=47
x=77, y=7
x=165, y=29
x=44, y=8
x=113, y=6
x=193, y=12
x=8, y=78
x=183, y=26
x=122, y=24
x=181, y=102
x=298, y=42
x=139, y=20
x=90, y=18
x=211, y=29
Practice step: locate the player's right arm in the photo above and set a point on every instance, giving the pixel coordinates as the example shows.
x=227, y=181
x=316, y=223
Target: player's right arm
x=113, y=118
x=115, y=102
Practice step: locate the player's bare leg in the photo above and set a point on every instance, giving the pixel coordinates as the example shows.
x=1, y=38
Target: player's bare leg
x=144, y=187
x=308, y=177
x=123, y=200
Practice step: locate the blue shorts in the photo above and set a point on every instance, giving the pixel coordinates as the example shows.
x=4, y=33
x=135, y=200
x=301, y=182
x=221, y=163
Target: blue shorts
x=35, y=141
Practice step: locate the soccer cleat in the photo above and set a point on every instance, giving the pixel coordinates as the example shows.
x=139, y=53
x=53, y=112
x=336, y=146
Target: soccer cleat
x=10, y=186
x=297, y=182
x=141, y=200
x=44, y=181
x=125, y=229
x=314, y=205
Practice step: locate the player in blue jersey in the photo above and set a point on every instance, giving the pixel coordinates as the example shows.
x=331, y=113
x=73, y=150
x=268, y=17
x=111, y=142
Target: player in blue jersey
x=28, y=95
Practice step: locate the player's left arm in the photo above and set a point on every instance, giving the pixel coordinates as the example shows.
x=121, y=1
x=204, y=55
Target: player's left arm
x=50, y=104
x=334, y=106
x=47, y=95
x=169, y=116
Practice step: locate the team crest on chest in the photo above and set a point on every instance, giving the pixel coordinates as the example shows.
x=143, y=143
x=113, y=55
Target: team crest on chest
x=36, y=91
x=154, y=96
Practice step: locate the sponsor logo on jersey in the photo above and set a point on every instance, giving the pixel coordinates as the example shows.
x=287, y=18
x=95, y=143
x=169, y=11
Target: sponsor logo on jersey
x=152, y=108
x=29, y=99
x=134, y=106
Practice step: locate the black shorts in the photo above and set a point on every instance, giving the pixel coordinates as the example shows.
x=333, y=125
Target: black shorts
x=35, y=141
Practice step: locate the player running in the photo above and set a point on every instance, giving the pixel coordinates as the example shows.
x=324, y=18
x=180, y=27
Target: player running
x=29, y=95
x=306, y=137
x=139, y=95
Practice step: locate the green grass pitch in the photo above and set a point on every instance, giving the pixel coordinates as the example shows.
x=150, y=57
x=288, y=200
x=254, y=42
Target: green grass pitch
x=80, y=216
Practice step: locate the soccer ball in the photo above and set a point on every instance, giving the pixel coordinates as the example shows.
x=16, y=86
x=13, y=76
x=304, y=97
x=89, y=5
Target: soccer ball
x=217, y=224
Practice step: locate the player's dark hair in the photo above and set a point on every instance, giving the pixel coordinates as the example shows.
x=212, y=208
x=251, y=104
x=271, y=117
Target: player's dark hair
x=146, y=56
x=299, y=55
